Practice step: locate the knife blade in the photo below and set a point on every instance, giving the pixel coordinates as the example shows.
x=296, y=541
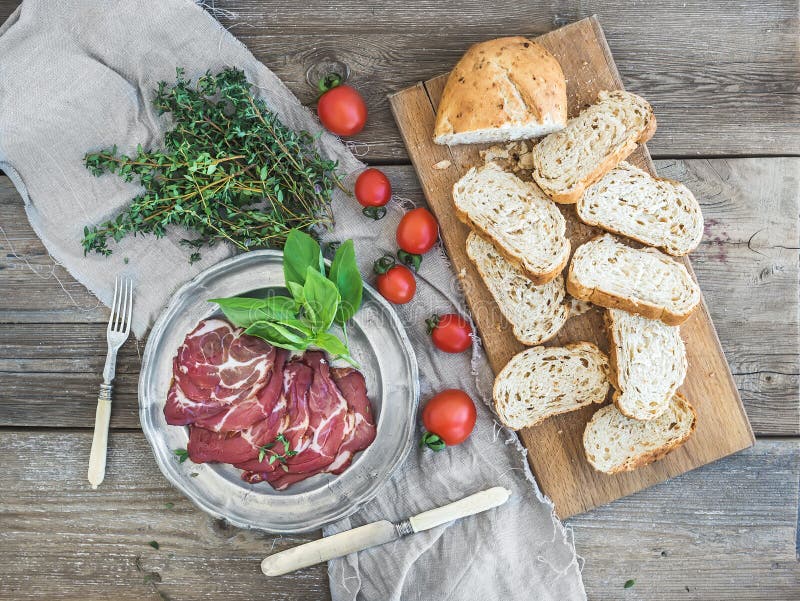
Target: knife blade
x=379, y=533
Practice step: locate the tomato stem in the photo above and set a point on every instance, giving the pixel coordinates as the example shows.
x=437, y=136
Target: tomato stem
x=431, y=323
x=410, y=259
x=330, y=81
x=384, y=264
x=433, y=441
x=375, y=213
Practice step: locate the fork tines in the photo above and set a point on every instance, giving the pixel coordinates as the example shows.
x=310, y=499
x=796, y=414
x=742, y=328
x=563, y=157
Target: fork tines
x=121, y=307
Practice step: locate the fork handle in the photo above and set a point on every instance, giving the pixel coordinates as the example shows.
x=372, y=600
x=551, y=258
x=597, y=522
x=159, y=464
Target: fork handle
x=97, y=458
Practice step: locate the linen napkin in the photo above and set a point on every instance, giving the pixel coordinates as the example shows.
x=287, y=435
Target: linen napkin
x=79, y=76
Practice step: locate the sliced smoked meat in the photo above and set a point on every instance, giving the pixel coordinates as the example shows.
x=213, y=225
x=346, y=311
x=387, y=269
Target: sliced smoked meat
x=219, y=363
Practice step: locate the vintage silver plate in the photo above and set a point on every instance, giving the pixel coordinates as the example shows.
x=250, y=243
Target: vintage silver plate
x=378, y=342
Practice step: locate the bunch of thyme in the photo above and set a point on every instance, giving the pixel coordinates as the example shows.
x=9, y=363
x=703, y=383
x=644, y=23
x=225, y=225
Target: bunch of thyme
x=229, y=170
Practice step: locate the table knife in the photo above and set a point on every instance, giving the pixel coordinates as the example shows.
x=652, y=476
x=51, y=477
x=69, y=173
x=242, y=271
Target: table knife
x=379, y=533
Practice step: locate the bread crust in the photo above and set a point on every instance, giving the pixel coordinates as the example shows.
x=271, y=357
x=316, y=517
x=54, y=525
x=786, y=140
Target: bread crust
x=610, y=228
x=515, y=329
x=473, y=98
x=536, y=277
x=603, y=299
x=606, y=165
x=613, y=363
x=569, y=346
x=656, y=454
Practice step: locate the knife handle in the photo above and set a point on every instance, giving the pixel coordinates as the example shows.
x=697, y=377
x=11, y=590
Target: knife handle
x=481, y=501
x=330, y=547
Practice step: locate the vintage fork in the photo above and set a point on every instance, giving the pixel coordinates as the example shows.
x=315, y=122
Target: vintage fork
x=119, y=326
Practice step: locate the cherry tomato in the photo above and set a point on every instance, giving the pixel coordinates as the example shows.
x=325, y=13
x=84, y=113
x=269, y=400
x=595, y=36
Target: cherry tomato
x=417, y=231
x=451, y=333
x=449, y=418
x=397, y=284
x=373, y=188
x=342, y=111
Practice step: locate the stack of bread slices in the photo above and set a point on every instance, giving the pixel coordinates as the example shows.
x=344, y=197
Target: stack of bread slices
x=513, y=89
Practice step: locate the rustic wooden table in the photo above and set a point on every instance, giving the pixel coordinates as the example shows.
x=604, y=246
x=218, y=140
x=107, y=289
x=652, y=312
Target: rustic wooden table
x=724, y=83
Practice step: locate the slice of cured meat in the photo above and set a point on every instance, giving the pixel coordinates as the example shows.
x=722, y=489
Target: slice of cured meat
x=354, y=389
x=219, y=363
x=225, y=447
x=326, y=429
x=180, y=410
x=254, y=409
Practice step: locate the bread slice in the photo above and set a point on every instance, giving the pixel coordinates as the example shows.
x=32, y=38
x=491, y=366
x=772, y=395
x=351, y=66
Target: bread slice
x=592, y=144
x=501, y=90
x=544, y=381
x=536, y=313
x=648, y=363
x=521, y=222
x=643, y=281
x=615, y=443
x=654, y=211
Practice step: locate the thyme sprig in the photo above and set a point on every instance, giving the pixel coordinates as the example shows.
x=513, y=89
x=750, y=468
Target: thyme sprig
x=229, y=170
x=274, y=456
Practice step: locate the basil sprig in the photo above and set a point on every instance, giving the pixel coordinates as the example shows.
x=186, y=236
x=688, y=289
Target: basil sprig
x=319, y=298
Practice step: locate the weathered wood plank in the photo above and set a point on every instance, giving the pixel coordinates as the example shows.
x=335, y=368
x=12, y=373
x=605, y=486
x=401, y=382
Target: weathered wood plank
x=725, y=531
x=63, y=540
x=751, y=292
x=722, y=76
x=729, y=534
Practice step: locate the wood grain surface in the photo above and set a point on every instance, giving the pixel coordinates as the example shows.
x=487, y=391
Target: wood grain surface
x=725, y=531
x=555, y=447
x=723, y=77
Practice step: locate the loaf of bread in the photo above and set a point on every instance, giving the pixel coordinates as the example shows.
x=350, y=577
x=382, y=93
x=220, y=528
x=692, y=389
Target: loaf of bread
x=541, y=382
x=501, y=90
x=654, y=211
x=592, y=144
x=644, y=281
x=615, y=443
x=648, y=363
x=536, y=313
x=520, y=221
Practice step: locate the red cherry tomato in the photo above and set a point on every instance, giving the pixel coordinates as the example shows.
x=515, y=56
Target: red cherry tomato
x=373, y=188
x=342, y=111
x=449, y=418
x=451, y=333
x=397, y=285
x=417, y=231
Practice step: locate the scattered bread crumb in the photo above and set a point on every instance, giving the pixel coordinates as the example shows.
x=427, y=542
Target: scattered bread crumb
x=442, y=164
x=579, y=307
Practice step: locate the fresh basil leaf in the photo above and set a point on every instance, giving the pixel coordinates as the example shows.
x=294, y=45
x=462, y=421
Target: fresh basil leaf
x=301, y=252
x=330, y=343
x=242, y=311
x=289, y=333
x=321, y=300
x=278, y=308
x=298, y=325
x=272, y=334
x=344, y=273
x=296, y=290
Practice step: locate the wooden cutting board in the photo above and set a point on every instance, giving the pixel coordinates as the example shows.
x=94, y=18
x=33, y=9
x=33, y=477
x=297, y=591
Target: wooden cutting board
x=555, y=448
